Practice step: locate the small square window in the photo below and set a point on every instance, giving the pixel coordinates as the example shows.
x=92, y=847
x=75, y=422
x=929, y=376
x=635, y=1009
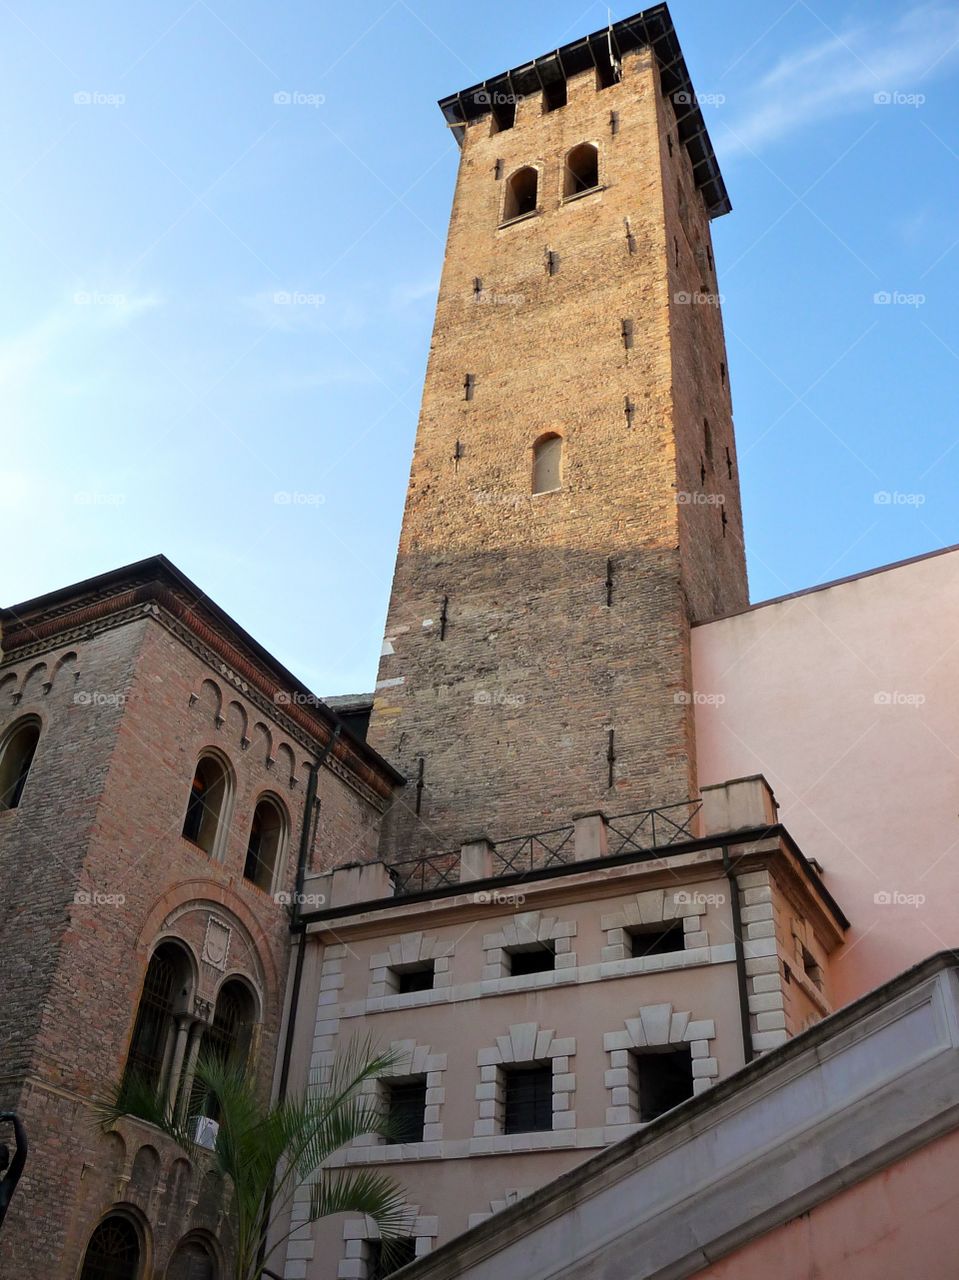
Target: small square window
x=657, y=939
x=415, y=977
x=406, y=1108
x=386, y=1256
x=528, y=1098
x=538, y=958
x=663, y=1081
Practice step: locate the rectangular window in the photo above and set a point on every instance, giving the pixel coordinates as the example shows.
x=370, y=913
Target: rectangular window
x=540, y=957
x=554, y=95
x=528, y=1098
x=386, y=1256
x=656, y=939
x=415, y=977
x=406, y=1109
x=663, y=1081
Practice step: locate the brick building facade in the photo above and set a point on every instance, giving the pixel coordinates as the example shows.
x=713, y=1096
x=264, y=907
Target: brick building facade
x=536, y=659
x=132, y=679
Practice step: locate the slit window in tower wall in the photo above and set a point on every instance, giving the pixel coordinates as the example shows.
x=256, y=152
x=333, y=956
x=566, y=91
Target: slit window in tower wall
x=552, y=262
x=729, y=464
x=521, y=193
x=722, y=373
x=469, y=383
x=498, y=170
x=614, y=123
x=627, y=332
x=547, y=463
x=669, y=142
x=554, y=95
x=477, y=287
x=503, y=111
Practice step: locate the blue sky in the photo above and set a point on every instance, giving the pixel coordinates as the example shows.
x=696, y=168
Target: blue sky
x=156, y=198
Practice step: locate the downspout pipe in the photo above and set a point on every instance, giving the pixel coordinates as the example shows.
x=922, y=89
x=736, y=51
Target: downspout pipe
x=297, y=926
x=741, y=976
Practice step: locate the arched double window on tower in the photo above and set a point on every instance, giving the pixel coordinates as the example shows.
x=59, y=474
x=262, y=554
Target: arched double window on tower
x=548, y=463
x=114, y=1251
x=17, y=750
x=266, y=844
x=522, y=193
x=581, y=170
x=207, y=805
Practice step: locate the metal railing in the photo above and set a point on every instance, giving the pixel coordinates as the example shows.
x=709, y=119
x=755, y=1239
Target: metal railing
x=432, y=871
x=535, y=852
x=649, y=829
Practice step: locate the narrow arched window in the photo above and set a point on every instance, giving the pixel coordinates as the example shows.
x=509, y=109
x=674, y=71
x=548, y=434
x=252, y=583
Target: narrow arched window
x=207, y=803
x=547, y=463
x=113, y=1252
x=193, y=1260
x=166, y=992
x=264, y=845
x=581, y=171
x=16, y=757
x=521, y=193
x=230, y=1035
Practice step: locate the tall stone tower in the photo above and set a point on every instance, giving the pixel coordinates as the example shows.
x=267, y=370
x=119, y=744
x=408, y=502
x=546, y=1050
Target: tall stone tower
x=573, y=503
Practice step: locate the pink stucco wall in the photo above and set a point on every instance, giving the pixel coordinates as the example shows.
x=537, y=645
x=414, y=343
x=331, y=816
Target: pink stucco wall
x=899, y=1223
x=847, y=700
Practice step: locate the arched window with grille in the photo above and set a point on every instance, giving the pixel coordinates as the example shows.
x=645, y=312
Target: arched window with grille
x=113, y=1252
x=207, y=804
x=581, y=170
x=547, y=463
x=16, y=756
x=522, y=193
x=229, y=1037
x=265, y=845
x=166, y=993
x=193, y=1259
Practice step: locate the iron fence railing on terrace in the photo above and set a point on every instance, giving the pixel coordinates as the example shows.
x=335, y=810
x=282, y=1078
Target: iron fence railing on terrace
x=649, y=829
x=432, y=871
x=534, y=852
x=644, y=831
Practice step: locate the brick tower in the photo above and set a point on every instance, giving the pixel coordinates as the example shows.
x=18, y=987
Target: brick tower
x=573, y=504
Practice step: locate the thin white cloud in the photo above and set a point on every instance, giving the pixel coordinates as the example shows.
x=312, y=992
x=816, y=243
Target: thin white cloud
x=841, y=75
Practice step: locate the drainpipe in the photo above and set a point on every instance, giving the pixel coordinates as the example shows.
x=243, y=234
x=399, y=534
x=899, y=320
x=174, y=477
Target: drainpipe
x=740, y=957
x=307, y=832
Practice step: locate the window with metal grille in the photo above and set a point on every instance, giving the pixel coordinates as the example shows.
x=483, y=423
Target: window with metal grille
x=415, y=977
x=16, y=757
x=165, y=976
x=527, y=1098
x=406, y=1109
x=663, y=1081
x=538, y=957
x=386, y=1256
x=113, y=1252
x=656, y=939
x=192, y=1261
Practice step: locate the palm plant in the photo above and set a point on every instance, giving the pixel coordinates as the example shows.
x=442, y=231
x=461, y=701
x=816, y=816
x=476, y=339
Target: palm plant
x=265, y=1151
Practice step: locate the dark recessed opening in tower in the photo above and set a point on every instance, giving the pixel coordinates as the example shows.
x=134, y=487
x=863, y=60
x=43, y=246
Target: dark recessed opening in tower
x=554, y=95
x=521, y=193
x=581, y=171
x=503, y=111
x=607, y=73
